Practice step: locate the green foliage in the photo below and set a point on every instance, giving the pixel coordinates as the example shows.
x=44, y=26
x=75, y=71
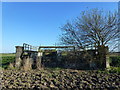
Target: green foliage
x=110, y=70
x=6, y=54
x=100, y=71
x=54, y=69
x=114, y=70
x=6, y=60
x=115, y=61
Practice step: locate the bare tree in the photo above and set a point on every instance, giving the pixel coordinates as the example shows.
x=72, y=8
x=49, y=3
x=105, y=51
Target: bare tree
x=93, y=27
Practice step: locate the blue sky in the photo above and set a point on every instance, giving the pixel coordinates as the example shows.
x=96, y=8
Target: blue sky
x=39, y=23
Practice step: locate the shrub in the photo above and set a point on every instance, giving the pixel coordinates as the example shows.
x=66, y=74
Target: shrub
x=115, y=61
x=114, y=70
x=110, y=70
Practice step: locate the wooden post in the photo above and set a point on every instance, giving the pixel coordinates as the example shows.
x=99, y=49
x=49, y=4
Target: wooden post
x=18, y=61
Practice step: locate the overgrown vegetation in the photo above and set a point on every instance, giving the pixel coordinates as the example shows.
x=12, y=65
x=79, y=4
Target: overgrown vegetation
x=114, y=65
x=114, y=70
x=7, y=59
x=115, y=61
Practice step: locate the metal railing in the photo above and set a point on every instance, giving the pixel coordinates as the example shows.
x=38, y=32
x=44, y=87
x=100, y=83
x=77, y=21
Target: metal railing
x=28, y=47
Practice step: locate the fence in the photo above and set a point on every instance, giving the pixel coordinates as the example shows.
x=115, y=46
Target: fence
x=28, y=47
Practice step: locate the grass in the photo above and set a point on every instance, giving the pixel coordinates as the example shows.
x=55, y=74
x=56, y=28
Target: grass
x=114, y=70
x=110, y=70
x=54, y=69
x=6, y=54
x=6, y=59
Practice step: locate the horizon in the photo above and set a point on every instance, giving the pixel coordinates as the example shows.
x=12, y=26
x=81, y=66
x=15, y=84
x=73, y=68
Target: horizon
x=38, y=23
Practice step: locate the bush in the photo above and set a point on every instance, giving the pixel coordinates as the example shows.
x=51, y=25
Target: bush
x=110, y=70
x=115, y=61
x=114, y=70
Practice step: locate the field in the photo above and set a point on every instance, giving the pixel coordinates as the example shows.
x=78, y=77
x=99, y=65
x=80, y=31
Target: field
x=60, y=79
x=7, y=54
x=6, y=59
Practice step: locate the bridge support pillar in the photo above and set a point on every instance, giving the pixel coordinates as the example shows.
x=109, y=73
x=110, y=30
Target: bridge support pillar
x=27, y=63
x=103, y=57
x=39, y=58
x=18, y=61
x=107, y=61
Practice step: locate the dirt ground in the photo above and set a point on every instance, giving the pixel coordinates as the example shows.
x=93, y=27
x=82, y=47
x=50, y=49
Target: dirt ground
x=60, y=79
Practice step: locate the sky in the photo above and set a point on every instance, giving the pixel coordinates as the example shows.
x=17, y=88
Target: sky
x=38, y=23
x=60, y=0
